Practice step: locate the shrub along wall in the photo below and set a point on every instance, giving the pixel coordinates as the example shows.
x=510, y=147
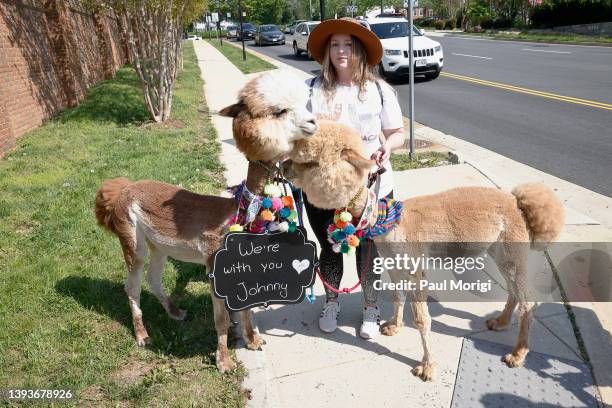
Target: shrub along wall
x=51, y=52
x=568, y=12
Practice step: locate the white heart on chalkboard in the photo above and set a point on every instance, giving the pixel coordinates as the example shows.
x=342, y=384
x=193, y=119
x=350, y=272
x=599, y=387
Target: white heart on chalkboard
x=299, y=266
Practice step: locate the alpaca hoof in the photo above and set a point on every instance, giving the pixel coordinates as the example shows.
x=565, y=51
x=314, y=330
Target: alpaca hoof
x=513, y=361
x=225, y=365
x=389, y=329
x=179, y=314
x=426, y=372
x=495, y=325
x=256, y=343
x=143, y=341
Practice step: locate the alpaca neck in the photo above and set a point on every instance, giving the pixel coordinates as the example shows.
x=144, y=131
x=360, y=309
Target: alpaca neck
x=257, y=176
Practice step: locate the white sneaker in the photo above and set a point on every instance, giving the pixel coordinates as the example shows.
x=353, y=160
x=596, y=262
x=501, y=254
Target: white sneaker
x=328, y=321
x=370, y=327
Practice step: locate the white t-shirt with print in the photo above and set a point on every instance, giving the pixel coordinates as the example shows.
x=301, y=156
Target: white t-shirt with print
x=366, y=115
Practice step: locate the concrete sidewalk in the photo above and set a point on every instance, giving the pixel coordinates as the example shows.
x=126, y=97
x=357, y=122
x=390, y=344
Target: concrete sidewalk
x=302, y=366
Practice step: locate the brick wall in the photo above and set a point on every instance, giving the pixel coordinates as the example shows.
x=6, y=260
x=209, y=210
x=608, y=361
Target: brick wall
x=51, y=52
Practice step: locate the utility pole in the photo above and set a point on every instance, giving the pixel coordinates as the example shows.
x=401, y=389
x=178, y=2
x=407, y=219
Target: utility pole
x=310, y=9
x=241, y=28
x=322, y=9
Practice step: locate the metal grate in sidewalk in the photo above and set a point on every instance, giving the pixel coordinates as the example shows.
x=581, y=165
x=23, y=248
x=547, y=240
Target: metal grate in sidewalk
x=545, y=381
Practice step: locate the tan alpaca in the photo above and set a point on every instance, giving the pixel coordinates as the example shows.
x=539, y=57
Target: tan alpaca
x=167, y=221
x=330, y=168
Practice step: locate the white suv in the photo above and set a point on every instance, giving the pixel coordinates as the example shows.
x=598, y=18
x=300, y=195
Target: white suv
x=393, y=34
x=301, y=35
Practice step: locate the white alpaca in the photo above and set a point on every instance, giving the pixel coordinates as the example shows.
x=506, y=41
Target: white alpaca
x=173, y=222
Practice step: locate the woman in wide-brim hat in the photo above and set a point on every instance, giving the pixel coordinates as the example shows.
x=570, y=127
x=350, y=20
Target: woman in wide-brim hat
x=348, y=90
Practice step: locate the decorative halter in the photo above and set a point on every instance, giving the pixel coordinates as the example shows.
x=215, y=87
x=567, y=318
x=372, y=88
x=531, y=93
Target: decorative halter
x=345, y=235
x=274, y=211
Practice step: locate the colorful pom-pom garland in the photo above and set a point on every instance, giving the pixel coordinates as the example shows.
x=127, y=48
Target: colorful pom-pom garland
x=277, y=212
x=342, y=234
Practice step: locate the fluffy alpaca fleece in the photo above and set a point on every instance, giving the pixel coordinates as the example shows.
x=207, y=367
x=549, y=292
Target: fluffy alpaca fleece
x=165, y=220
x=491, y=217
x=341, y=149
x=266, y=113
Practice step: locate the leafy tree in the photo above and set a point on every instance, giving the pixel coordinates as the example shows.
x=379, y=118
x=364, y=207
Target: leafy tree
x=154, y=30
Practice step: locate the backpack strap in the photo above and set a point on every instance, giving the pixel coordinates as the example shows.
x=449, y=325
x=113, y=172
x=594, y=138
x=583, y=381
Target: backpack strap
x=382, y=100
x=312, y=82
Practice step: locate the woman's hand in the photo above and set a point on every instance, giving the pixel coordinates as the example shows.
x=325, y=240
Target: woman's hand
x=381, y=155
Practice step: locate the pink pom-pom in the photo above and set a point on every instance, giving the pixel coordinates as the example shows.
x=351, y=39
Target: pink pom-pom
x=277, y=203
x=331, y=228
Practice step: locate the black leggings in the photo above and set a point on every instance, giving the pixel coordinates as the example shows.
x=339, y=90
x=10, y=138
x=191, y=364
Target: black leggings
x=331, y=262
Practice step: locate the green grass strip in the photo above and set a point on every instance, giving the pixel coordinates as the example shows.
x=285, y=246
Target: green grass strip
x=252, y=63
x=64, y=316
x=401, y=161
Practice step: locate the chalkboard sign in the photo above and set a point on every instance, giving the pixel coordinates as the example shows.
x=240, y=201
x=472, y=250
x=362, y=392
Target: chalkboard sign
x=263, y=269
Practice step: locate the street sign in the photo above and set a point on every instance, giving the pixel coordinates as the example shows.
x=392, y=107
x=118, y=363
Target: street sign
x=229, y=15
x=415, y=3
x=351, y=9
x=215, y=17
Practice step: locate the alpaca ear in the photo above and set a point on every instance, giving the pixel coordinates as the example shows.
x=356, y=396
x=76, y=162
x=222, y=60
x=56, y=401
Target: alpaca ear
x=232, y=110
x=356, y=159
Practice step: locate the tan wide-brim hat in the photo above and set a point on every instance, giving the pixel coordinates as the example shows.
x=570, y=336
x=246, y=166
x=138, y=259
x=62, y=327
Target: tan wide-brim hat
x=320, y=35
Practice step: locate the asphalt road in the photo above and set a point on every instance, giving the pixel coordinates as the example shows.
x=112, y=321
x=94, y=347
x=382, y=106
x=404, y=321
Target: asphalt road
x=539, y=104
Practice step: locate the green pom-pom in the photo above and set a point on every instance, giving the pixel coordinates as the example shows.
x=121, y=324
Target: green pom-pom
x=292, y=216
x=350, y=251
x=292, y=227
x=346, y=216
x=344, y=248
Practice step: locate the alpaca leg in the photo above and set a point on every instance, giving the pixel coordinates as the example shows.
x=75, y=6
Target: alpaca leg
x=393, y=326
x=504, y=257
x=422, y=321
x=222, y=324
x=134, y=252
x=502, y=321
x=517, y=357
x=252, y=339
x=154, y=277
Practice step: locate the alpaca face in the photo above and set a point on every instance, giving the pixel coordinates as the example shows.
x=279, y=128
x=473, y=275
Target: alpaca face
x=329, y=166
x=271, y=115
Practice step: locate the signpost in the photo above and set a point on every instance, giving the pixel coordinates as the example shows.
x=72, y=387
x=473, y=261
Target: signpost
x=409, y=4
x=351, y=9
x=240, y=28
x=263, y=269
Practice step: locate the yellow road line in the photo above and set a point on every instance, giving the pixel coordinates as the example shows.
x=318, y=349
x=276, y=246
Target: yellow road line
x=528, y=91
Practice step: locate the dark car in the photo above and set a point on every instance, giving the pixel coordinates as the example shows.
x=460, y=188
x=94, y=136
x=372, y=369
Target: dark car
x=269, y=34
x=247, y=31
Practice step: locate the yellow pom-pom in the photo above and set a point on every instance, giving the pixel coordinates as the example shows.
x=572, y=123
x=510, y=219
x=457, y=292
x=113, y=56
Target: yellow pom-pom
x=236, y=228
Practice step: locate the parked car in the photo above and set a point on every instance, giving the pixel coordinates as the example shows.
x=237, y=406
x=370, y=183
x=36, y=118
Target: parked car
x=290, y=29
x=300, y=38
x=232, y=31
x=393, y=34
x=269, y=34
x=193, y=38
x=247, y=32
